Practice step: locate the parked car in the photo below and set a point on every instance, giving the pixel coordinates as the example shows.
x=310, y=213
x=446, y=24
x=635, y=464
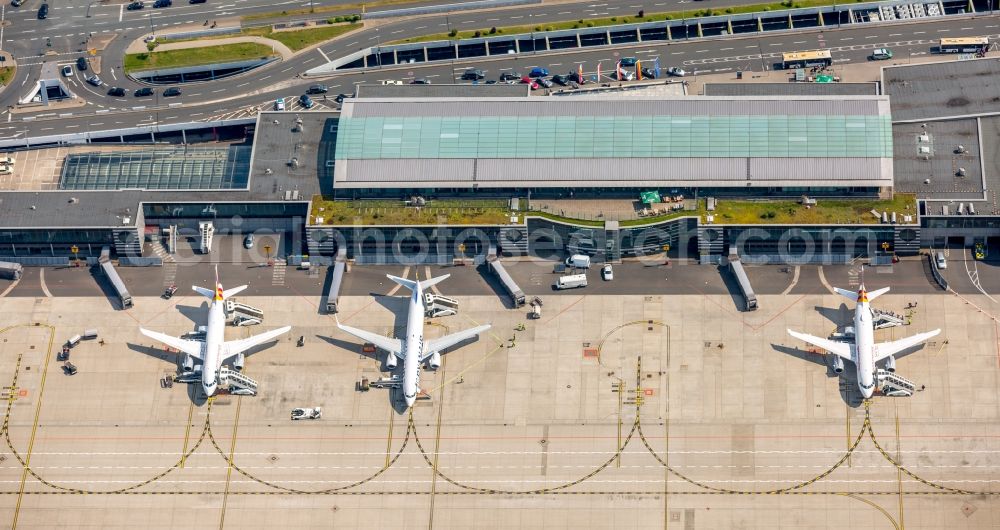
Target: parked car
x=629, y=61
x=135, y=5
x=391, y=82
x=171, y=92
x=420, y=81
x=538, y=72
x=473, y=75
x=579, y=261
x=279, y=104
x=979, y=251
x=163, y=3
x=607, y=273
x=545, y=83
x=43, y=11
x=196, y=1
x=676, y=72
x=169, y=292
x=560, y=80
x=306, y=101
x=117, y=92
x=317, y=89
x=530, y=82
x=509, y=76
x=942, y=263
x=16, y=3
x=577, y=78
x=341, y=97
x=624, y=75
x=881, y=54
x=67, y=71
x=143, y=92
x=81, y=64
x=648, y=73
x=248, y=241
x=94, y=80
x=491, y=82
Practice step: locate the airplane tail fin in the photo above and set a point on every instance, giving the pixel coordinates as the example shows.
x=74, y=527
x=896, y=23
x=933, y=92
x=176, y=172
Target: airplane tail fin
x=847, y=294
x=412, y=284
x=218, y=293
x=877, y=293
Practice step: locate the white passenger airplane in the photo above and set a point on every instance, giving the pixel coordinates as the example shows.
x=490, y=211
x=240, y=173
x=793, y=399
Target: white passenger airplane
x=415, y=350
x=214, y=351
x=865, y=352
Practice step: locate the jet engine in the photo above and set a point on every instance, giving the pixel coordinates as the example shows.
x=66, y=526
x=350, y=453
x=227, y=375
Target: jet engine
x=435, y=361
x=890, y=364
x=838, y=364
x=239, y=361
x=188, y=364
x=390, y=360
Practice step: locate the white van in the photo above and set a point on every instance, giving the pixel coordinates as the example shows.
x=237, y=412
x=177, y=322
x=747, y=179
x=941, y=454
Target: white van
x=579, y=261
x=571, y=281
x=940, y=261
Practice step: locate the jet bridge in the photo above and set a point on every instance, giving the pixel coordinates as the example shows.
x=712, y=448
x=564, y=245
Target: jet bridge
x=436, y=305
x=894, y=385
x=736, y=266
x=509, y=285
x=336, y=279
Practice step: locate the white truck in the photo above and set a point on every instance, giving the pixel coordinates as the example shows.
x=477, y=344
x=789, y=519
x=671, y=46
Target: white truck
x=579, y=261
x=313, y=413
x=571, y=281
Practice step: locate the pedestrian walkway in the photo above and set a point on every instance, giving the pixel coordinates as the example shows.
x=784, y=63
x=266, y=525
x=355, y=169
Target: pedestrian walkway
x=278, y=273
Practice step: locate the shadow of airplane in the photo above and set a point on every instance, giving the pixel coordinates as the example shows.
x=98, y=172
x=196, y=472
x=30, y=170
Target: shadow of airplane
x=194, y=390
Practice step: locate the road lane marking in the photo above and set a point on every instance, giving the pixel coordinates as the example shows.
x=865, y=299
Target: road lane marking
x=323, y=54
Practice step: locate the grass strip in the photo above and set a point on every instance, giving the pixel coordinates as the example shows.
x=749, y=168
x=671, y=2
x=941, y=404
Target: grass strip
x=222, y=53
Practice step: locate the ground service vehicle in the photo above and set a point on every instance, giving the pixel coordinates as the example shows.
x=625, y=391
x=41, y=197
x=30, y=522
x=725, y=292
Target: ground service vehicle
x=571, y=281
x=580, y=261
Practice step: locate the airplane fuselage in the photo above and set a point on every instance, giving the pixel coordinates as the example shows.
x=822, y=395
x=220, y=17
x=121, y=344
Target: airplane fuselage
x=864, y=344
x=413, y=347
x=214, y=337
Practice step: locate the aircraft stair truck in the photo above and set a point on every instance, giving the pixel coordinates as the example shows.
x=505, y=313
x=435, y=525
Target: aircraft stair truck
x=892, y=384
x=243, y=314
x=886, y=319
x=238, y=384
x=436, y=305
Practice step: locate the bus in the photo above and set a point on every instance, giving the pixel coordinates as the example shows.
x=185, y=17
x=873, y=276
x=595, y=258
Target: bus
x=821, y=58
x=964, y=45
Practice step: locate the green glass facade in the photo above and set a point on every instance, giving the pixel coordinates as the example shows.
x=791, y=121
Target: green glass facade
x=527, y=137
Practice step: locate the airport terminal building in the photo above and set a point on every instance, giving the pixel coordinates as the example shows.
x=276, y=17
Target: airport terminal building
x=447, y=172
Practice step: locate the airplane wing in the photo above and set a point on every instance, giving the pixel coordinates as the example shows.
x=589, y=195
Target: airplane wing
x=885, y=349
x=436, y=345
x=234, y=347
x=840, y=349
x=386, y=343
x=190, y=347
